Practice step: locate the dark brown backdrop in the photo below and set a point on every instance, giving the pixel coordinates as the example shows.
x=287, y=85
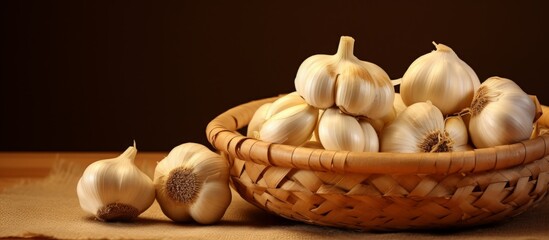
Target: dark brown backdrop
x=95, y=75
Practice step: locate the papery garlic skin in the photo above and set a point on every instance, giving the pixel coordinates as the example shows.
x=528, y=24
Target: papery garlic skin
x=288, y=120
x=442, y=78
x=457, y=131
x=283, y=103
x=398, y=107
x=115, y=189
x=501, y=113
x=421, y=128
x=357, y=87
x=192, y=183
x=259, y=117
x=339, y=131
x=398, y=104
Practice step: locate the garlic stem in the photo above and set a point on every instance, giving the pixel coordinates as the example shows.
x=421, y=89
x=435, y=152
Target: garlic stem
x=396, y=82
x=345, y=48
x=129, y=154
x=442, y=47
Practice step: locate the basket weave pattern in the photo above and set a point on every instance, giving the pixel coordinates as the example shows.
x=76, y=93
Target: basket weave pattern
x=381, y=191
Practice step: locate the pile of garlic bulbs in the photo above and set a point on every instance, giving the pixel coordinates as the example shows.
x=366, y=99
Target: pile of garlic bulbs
x=344, y=103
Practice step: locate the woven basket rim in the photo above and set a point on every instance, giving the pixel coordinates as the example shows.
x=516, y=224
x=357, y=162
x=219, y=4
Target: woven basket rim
x=223, y=135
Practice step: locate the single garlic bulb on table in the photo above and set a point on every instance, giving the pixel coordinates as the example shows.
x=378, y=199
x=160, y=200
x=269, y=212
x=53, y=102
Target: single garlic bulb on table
x=192, y=183
x=422, y=128
x=288, y=120
x=357, y=87
x=115, y=189
x=442, y=78
x=501, y=113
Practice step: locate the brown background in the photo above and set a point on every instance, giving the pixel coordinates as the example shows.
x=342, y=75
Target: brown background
x=95, y=75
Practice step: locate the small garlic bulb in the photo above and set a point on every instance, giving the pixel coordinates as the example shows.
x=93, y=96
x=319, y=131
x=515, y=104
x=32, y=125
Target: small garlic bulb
x=357, y=87
x=339, y=131
x=115, y=189
x=192, y=183
x=288, y=120
x=421, y=128
x=501, y=113
x=442, y=78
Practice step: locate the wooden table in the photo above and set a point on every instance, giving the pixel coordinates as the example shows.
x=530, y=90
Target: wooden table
x=20, y=166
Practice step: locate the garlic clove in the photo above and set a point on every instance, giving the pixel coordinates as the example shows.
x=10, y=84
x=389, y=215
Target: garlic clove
x=442, y=78
x=371, y=143
x=501, y=113
x=115, y=189
x=339, y=131
x=292, y=126
x=192, y=183
x=315, y=81
x=284, y=103
x=209, y=207
x=259, y=117
x=457, y=132
x=288, y=120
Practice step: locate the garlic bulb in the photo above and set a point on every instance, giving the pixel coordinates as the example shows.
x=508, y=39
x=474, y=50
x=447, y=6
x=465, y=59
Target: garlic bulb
x=501, y=113
x=289, y=120
x=192, y=182
x=421, y=128
x=442, y=78
x=357, y=87
x=115, y=189
x=339, y=131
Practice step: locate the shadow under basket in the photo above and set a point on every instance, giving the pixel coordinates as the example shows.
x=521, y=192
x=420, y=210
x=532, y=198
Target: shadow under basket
x=382, y=191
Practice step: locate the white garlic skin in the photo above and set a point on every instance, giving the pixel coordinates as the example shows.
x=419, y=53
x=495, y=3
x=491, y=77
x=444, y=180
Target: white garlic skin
x=398, y=104
x=293, y=126
x=501, y=113
x=288, y=120
x=205, y=202
x=115, y=181
x=339, y=131
x=357, y=87
x=259, y=117
x=398, y=107
x=267, y=110
x=457, y=131
x=442, y=78
x=418, y=123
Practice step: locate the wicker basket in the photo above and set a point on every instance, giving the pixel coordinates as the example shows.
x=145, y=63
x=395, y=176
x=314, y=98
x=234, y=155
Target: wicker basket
x=382, y=191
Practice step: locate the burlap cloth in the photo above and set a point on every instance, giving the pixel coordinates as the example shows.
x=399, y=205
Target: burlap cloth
x=49, y=208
